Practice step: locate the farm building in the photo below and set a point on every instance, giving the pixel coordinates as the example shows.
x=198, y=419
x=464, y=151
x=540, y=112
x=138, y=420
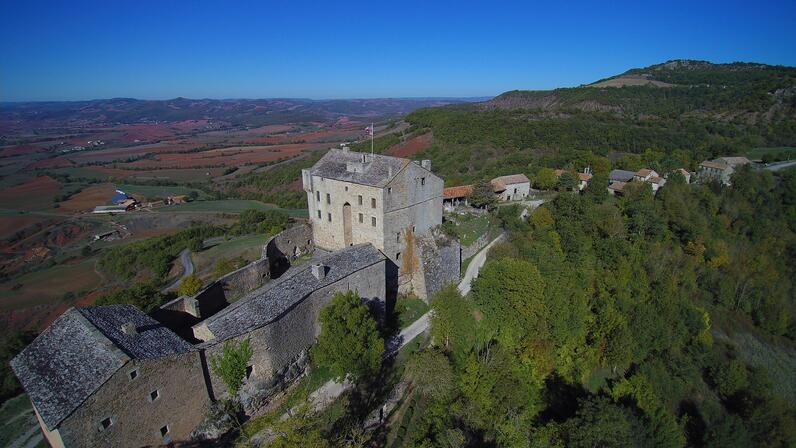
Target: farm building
x=455, y=196
x=513, y=187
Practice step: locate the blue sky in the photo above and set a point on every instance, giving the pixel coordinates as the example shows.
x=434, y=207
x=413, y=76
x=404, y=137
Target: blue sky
x=68, y=50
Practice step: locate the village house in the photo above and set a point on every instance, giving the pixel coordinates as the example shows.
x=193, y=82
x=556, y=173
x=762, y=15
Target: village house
x=453, y=197
x=720, y=169
x=583, y=180
x=617, y=188
x=621, y=176
x=514, y=187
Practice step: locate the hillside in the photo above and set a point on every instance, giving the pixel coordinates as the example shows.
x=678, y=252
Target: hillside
x=692, y=110
x=249, y=112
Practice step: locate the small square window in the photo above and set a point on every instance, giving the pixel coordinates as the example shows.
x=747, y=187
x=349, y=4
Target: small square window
x=133, y=374
x=372, y=202
x=319, y=214
x=360, y=199
x=164, y=430
x=373, y=221
x=361, y=217
x=328, y=198
x=105, y=424
x=329, y=217
x=154, y=395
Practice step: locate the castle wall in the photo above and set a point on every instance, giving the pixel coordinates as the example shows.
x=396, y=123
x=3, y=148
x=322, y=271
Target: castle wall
x=330, y=234
x=181, y=405
x=280, y=348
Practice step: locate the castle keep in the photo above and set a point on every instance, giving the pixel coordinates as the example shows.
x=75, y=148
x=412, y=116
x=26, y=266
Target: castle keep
x=115, y=376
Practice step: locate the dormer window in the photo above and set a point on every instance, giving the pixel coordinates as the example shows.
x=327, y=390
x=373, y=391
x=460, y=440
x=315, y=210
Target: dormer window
x=105, y=423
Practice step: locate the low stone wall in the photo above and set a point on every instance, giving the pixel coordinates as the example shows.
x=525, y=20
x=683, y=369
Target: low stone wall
x=472, y=249
x=286, y=246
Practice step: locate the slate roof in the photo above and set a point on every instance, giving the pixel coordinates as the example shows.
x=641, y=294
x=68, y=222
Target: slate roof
x=716, y=164
x=81, y=350
x=375, y=171
x=457, y=192
x=264, y=305
x=734, y=161
x=621, y=175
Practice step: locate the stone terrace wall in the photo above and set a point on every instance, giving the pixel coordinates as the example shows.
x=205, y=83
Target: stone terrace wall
x=472, y=249
x=442, y=261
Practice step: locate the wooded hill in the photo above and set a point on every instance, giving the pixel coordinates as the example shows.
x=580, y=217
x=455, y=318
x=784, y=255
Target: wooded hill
x=687, y=111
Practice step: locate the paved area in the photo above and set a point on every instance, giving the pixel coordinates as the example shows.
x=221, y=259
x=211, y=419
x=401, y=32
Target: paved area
x=780, y=165
x=475, y=265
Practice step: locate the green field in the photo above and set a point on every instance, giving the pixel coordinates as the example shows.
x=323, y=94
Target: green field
x=248, y=247
x=157, y=191
x=758, y=153
x=470, y=227
x=229, y=206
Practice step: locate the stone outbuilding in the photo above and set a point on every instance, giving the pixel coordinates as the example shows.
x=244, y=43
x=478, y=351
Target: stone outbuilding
x=720, y=169
x=514, y=187
x=112, y=376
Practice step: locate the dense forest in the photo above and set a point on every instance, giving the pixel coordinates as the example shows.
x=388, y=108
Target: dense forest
x=647, y=320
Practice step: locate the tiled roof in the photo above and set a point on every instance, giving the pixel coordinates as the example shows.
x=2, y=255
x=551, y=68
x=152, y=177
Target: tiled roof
x=376, y=171
x=585, y=176
x=716, y=164
x=81, y=350
x=617, y=186
x=264, y=305
x=643, y=172
x=657, y=180
x=512, y=179
x=457, y=192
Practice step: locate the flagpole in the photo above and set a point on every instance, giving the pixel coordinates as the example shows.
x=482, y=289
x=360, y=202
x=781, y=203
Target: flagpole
x=372, y=133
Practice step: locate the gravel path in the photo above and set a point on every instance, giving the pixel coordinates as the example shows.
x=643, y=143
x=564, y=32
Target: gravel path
x=475, y=265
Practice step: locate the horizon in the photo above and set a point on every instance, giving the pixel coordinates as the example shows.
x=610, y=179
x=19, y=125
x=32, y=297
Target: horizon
x=146, y=51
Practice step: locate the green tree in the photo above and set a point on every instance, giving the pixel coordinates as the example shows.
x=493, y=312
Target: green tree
x=231, y=365
x=600, y=422
x=189, y=285
x=567, y=181
x=545, y=179
x=349, y=342
x=431, y=374
x=483, y=195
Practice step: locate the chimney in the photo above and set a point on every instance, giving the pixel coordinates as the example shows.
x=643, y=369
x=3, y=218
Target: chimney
x=426, y=163
x=319, y=271
x=129, y=328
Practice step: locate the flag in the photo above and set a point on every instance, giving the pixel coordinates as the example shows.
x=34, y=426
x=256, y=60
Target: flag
x=369, y=130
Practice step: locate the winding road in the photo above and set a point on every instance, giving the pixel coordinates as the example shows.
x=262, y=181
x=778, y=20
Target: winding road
x=187, y=269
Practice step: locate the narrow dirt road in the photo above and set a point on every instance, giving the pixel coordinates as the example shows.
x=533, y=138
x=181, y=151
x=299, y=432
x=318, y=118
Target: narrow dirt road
x=187, y=269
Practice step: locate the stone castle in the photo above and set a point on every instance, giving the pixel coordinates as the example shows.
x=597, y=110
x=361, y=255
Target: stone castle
x=115, y=376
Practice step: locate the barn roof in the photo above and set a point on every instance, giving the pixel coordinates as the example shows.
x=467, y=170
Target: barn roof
x=621, y=175
x=457, y=192
x=266, y=304
x=501, y=183
x=81, y=350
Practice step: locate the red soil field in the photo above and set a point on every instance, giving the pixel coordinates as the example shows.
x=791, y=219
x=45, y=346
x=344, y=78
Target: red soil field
x=412, y=146
x=234, y=156
x=87, y=199
x=38, y=185
x=12, y=224
x=19, y=149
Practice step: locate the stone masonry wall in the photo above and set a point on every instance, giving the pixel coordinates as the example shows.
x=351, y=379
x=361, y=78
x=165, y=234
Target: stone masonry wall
x=280, y=347
x=477, y=245
x=181, y=405
x=441, y=260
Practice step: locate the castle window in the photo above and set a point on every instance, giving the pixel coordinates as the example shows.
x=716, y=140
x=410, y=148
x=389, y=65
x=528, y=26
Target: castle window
x=373, y=221
x=164, y=430
x=398, y=256
x=329, y=217
x=328, y=198
x=249, y=371
x=389, y=190
x=346, y=188
x=318, y=196
x=360, y=199
x=398, y=237
x=372, y=202
x=154, y=395
x=133, y=374
x=319, y=214
x=105, y=424
x=422, y=181
x=360, y=218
